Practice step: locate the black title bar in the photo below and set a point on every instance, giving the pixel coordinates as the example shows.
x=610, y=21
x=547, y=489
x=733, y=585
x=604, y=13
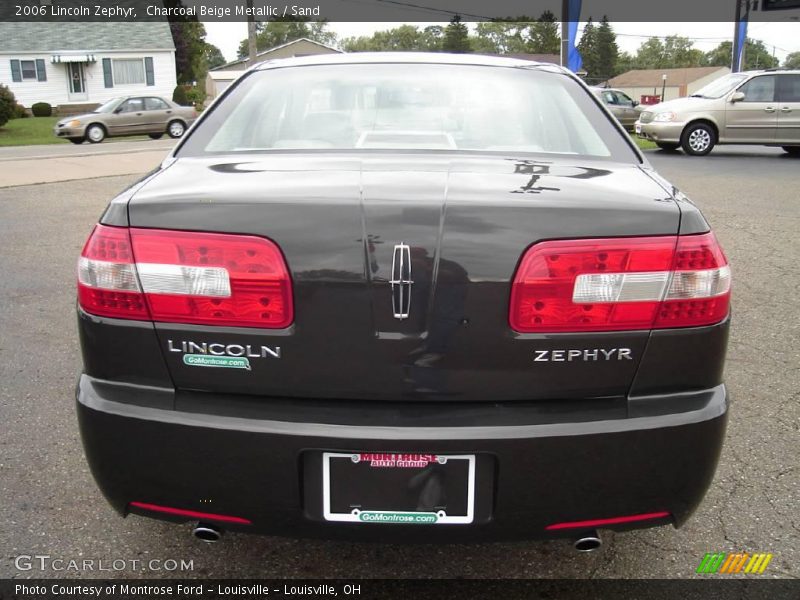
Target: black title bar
x=389, y=10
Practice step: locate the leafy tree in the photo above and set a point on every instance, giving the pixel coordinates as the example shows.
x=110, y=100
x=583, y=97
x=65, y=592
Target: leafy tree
x=671, y=53
x=792, y=61
x=456, y=37
x=8, y=105
x=517, y=36
x=213, y=56
x=498, y=37
x=545, y=37
x=432, y=38
x=756, y=55
x=190, y=50
x=282, y=31
x=402, y=38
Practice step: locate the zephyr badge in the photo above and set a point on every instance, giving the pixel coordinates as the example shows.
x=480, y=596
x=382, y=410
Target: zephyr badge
x=401, y=281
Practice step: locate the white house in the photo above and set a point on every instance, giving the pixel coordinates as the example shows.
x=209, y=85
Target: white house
x=75, y=66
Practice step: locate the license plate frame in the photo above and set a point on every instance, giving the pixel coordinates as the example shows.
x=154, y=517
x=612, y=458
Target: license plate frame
x=386, y=515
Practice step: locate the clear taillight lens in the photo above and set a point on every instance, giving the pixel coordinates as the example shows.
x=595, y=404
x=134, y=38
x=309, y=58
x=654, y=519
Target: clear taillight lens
x=618, y=284
x=187, y=277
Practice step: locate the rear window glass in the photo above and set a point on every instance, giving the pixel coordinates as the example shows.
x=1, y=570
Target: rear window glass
x=366, y=107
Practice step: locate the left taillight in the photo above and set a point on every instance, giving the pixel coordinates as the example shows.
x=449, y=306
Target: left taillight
x=185, y=277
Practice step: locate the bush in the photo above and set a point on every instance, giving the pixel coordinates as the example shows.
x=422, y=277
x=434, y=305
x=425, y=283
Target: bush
x=8, y=105
x=20, y=112
x=196, y=96
x=179, y=96
x=41, y=109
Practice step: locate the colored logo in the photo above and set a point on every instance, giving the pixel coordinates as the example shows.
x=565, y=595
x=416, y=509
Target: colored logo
x=411, y=518
x=739, y=562
x=228, y=362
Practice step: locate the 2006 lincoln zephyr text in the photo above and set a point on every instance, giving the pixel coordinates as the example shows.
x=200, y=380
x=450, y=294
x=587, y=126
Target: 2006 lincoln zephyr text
x=404, y=297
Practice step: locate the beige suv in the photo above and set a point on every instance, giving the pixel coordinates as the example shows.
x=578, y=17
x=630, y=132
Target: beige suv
x=755, y=107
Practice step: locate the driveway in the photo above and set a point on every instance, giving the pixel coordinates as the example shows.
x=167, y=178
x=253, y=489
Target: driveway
x=51, y=505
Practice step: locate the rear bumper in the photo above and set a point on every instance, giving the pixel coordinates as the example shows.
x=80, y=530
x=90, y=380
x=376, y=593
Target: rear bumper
x=536, y=472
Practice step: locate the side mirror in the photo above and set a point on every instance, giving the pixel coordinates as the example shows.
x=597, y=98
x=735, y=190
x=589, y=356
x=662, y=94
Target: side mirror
x=117, y=110
x=737, y=96
x=635, y=103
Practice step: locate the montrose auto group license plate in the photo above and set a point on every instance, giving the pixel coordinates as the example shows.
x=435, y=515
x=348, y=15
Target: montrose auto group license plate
x=405, y=488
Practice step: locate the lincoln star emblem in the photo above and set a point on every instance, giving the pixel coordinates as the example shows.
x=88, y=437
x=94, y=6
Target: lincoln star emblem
x=401, y=281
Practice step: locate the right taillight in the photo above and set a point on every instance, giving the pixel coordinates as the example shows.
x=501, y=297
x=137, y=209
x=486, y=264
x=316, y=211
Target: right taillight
x=620, y=284
x=185, y=277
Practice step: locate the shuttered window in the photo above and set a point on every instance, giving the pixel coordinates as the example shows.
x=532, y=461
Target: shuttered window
x=28, y=70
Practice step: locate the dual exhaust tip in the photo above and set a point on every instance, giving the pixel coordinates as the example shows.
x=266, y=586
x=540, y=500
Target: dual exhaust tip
x=207, y=533
x=588, y=543
x=210, y=534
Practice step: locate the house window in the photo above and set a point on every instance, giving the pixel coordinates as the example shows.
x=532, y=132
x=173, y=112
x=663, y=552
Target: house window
x=28, y=68
x=128, y=71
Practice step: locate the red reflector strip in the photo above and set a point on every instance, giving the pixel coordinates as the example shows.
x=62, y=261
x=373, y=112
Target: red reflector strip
x=611, y=521
x=191, y=513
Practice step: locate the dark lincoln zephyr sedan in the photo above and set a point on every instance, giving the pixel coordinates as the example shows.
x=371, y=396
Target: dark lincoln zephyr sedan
x=404, y=297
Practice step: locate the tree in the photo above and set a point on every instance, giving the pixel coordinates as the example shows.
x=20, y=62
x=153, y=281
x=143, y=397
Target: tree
x=403, y=38
x=521, y=35
x=756, y=55
x=792, y=61
x=8, y=105
x=587, y=46
x=190, y=47
x=545, y=37
x=606, y=50
x=282, y=31
x=497, y=37
x=188, y=35
x=456, y=37
x=432, y=38
x=213, y=56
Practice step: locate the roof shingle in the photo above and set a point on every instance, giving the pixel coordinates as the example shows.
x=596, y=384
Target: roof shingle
x=88, y=37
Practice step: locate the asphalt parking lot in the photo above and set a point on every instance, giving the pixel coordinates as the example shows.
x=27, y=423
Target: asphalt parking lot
x=52, y=507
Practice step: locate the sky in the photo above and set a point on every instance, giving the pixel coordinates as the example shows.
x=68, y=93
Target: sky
x=780, y=38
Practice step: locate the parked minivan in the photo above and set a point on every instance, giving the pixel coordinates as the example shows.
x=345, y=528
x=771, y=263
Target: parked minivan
x=754, y=107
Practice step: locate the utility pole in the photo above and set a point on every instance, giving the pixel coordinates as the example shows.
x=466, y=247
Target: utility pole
x=251, y=35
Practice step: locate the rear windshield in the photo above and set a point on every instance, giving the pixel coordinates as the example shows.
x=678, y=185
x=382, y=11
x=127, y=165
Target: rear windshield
x=373, y=107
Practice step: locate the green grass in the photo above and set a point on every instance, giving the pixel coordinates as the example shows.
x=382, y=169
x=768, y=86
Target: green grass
x=643, y=143
x=37, y=131
x=30, y=131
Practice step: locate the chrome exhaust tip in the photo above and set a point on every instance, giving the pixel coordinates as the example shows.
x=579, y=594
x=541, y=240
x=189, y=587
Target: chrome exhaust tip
x=588, y=543
x=207, y=533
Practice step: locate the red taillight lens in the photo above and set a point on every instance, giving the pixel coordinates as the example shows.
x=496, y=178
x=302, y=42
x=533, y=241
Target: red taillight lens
x=201, y=278
x=618, y=284
x=213, y=278
x=107, y=282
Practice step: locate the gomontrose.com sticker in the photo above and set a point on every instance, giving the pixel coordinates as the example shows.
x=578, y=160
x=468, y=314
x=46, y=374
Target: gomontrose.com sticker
x=227, y=362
